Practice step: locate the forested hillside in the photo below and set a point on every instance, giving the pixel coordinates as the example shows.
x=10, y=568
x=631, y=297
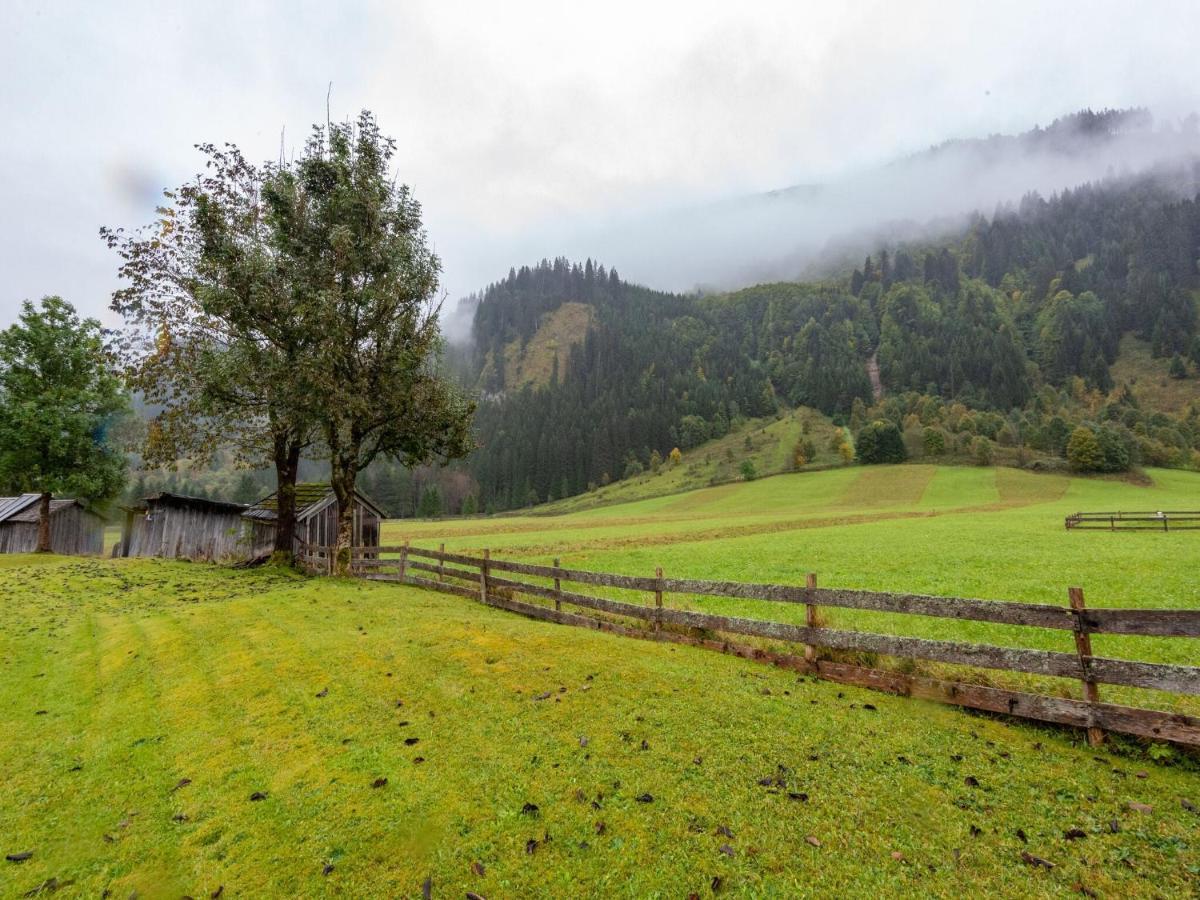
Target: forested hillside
x=1014, y=324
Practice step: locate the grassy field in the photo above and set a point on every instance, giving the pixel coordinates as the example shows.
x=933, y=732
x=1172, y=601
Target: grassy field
x=992, y=533
x=145, y=704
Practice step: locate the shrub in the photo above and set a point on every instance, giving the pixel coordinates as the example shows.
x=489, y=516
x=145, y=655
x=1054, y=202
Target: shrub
x=934, y=441
x=749, y=473
x=880, y=442
x=1083, y=450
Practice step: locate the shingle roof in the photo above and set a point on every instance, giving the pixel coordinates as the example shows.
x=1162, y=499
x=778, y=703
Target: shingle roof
x=25, y=507
x=166, y=497
x=309, y=496
x=10, y=506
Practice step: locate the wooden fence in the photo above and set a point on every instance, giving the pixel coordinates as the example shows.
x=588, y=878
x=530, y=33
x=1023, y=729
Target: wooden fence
x=476, y=578
x=1162, y=520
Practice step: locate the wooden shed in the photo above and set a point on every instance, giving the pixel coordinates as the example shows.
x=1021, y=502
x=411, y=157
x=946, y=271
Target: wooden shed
x=316, y=516
x=74, y=529
x=180, y=527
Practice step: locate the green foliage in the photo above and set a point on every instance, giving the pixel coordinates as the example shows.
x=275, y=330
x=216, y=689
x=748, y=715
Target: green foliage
x=933, y=441
x=880, y=442
x=359, y=253
x=1178, y=368
x=430, y=506
x=60, y=404
x=747, y=470
x=1084, y=452
x=470, y=505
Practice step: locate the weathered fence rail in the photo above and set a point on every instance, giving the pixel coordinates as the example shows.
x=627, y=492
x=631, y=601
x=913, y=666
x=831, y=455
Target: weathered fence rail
x=476, y=577
x=1161, y=520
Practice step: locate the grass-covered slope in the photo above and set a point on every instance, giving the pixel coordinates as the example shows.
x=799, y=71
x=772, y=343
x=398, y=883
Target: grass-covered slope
x=144, y=703
x=993, y=533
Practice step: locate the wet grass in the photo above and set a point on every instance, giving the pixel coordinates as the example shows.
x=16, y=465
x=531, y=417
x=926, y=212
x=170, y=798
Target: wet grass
x=145, y=703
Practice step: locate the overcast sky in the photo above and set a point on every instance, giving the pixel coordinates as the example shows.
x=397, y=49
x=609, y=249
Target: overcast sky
x=523, y=126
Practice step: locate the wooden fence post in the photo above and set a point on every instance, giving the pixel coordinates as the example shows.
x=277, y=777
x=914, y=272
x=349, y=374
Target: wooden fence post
x=483, y=576
x=442, y=562
x=1083, y=646
x=557, y=588
x=810, y=618
x=403, y=561
x=658, y=592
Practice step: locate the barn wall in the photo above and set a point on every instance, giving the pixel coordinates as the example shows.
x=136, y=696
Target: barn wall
x=73, y=532
x=186, y=532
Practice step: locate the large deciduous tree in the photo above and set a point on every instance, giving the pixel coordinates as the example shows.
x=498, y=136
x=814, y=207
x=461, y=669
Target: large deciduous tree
x=356, y=244
x=60, y=398
x=219, y=325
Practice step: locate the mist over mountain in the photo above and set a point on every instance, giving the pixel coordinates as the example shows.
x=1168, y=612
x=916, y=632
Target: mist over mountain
x=996, y=277
x=808, y=230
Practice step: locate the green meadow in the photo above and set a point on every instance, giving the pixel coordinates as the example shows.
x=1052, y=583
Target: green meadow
x=175, y=729
x=990, y=533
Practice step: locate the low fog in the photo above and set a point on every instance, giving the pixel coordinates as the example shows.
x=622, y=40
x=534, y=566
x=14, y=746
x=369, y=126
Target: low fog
x=811, y=230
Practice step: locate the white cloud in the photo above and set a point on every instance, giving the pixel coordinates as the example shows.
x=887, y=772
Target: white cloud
x=527, y=129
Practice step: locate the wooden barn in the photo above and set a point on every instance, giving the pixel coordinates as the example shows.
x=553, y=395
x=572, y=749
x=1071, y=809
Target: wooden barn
x=316, y=516
x=74, y=529
x=179, y=527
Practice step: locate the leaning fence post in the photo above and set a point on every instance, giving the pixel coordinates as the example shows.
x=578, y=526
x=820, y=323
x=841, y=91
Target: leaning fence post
x=557, y=588
x=1083, y=646
x=810, y=617
x=658, y=592
x=403, y=561
x=441, y=562
x=483, y=576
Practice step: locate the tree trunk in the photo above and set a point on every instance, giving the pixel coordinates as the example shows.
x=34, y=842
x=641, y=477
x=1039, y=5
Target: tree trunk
x=43, y=541
x=287, y=466
x=342, y=480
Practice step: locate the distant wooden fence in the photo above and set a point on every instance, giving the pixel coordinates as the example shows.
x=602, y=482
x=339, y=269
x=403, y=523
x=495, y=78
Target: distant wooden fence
x=475, y=578
x=1178, y=520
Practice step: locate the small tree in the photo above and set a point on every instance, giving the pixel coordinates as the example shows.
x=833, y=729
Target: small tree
x=1083, y=451
x=59, y=400
x=655, y=462
x=934, y=441
x=1178, y=367
x=676, y=456
x=430, y=506
x=470, y=505
x=880, y=442
x=748, y=472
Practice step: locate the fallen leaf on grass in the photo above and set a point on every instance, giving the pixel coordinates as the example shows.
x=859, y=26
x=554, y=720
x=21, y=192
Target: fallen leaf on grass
x=644, y=798
x=418, y=759
x=530, y=846
x=410, y=741
x=529, y=809
x=717, y=883
x=379, y=782
x=727, y=850
x=1036, y=860
x=725, y=831
x=181, y=783
x=324, y=692
x=1188, y=805
x=543, y=696
x=897, y=856
x=19, y=857
x=1074, y=834
x=427, y=888
x=218, y=892
x=971, y=781
x=477, y=868
x=814, y=841
x=1145, y=808
x=797, y=795
x=258, y=795
x=471, y=895
x=1021, y=836
x=601, y=828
